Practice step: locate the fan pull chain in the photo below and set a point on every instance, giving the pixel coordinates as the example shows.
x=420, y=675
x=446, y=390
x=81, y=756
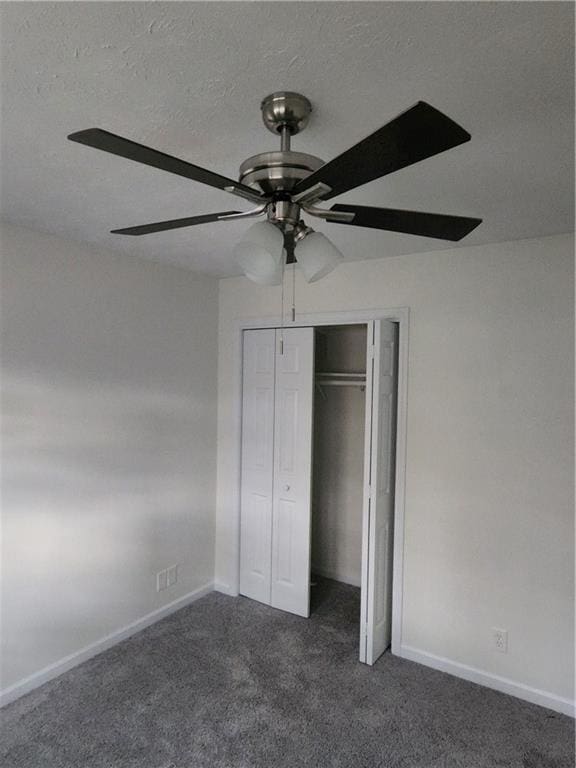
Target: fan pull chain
x=282, y=309
x=294, y=291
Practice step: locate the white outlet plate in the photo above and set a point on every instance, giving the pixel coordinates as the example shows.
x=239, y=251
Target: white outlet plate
x=172, y=575
x=161, y=581
x=500, y=639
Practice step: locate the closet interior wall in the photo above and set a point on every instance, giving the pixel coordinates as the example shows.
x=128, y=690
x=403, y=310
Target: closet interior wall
x=338, y=455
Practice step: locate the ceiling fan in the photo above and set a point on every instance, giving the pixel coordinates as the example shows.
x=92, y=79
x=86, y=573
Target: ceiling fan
x=285, y=184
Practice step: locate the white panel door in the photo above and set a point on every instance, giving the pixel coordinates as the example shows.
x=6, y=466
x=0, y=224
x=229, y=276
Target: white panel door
x=376, y=624
x=293, y=471
x=258, y=382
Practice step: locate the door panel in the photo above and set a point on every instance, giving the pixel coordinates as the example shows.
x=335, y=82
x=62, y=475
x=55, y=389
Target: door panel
x=293, y=471
x=285, y=543
x=257, y=463
x=376, y=622
x=288, y=428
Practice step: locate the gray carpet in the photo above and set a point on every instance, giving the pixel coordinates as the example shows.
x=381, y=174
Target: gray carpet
x=230, y=683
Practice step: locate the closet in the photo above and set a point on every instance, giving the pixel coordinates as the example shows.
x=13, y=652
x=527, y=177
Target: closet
x=338, y=452
x=317, y=483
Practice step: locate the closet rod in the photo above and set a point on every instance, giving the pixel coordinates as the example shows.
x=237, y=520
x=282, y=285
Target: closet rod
x=336, y=374
x=338, y=383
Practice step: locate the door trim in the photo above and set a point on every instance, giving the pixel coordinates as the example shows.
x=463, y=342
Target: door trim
x=400, y=315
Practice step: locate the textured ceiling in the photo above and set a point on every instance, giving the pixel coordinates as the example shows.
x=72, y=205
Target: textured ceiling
x=187, y=78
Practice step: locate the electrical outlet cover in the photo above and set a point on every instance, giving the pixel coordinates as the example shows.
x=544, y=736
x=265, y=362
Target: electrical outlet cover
x=500, y=639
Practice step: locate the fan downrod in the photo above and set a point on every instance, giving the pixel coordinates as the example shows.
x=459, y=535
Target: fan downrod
x=285, y=114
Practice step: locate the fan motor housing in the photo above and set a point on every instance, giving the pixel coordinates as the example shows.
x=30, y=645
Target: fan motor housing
x=280, y=171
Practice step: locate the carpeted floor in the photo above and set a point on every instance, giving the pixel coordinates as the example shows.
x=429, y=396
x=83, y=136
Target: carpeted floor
x=230, y=683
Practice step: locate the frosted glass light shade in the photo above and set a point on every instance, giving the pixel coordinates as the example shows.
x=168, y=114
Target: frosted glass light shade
x=317, y=256
x=260, y=253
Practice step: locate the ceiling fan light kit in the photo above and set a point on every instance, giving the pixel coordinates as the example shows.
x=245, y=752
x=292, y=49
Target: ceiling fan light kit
x=285, y=185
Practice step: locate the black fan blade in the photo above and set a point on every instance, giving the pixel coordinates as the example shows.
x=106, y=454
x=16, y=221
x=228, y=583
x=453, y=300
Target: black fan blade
x=161, y=226
x=409, y=222
x=416, y=134
x=116, y=145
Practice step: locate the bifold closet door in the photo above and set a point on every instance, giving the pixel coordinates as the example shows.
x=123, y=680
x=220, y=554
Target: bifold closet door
x=376, y=626
x=292, y=512
x=275, y=514
x=258, y=383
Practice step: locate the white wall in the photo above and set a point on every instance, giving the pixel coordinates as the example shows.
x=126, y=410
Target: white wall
x=109, y=426
x=489, y=488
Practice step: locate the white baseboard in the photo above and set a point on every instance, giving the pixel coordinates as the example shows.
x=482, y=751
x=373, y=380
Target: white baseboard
x=335, y=576
x=225, y=589
x=502, y=684
x=18, y=689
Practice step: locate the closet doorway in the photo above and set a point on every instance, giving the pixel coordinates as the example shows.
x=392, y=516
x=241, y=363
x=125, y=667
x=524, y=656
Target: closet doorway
x=318, y=468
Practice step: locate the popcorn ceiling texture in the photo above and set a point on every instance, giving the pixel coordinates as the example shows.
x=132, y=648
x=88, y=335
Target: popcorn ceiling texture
x=187, y=78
